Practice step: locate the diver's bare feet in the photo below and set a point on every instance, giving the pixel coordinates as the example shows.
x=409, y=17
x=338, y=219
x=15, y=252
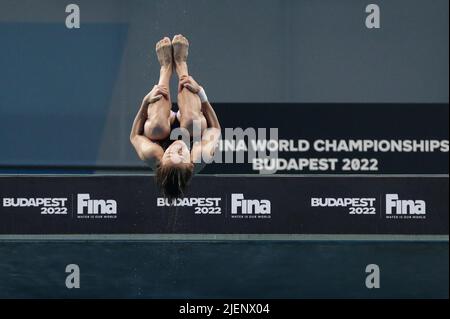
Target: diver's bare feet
x=180, y=53
x=164, y=53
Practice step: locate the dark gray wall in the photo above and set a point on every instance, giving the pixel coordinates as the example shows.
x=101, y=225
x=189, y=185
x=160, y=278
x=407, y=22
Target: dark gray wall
x=92, y=79
x=238, y=269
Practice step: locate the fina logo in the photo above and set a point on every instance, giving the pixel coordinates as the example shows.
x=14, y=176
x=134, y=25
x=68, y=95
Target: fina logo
x=396, y=208
x=95, y=206
x=249, y=207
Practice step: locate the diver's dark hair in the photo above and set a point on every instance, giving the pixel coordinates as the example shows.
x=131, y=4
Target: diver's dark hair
x=173, y=179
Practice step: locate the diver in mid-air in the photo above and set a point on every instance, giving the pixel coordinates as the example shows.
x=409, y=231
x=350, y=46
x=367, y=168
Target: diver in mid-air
x=174, y=161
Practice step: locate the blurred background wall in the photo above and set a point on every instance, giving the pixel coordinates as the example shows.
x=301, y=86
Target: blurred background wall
x=68, y=97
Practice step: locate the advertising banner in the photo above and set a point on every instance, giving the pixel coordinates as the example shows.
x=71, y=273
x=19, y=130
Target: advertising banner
x=225, y=205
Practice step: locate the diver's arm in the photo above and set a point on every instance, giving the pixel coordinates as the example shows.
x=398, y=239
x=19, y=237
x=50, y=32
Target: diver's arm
x=138, y=124
x=147, y=150
x=205, y=150
x=211, y=136
x=210, y=115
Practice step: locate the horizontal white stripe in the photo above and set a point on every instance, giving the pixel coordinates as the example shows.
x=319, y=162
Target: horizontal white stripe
x=226, y=237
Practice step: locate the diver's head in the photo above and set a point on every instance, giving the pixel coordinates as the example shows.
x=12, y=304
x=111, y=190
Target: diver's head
x=175, y=170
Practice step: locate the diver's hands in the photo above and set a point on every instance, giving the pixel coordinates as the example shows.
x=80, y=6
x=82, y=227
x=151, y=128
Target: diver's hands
x=157, y=93
x=189, y=83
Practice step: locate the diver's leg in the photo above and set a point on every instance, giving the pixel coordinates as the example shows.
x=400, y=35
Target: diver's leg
x=190, y=114
x=157, y=126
